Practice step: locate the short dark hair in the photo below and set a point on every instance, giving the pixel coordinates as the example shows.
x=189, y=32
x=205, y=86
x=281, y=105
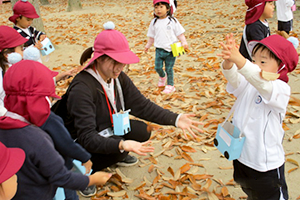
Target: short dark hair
x=3, y=59
x=262, y=47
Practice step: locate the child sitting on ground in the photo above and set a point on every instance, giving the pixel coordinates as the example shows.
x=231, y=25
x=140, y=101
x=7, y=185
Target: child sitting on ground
x=260, y=168
x=12, y=160
x=28, y=86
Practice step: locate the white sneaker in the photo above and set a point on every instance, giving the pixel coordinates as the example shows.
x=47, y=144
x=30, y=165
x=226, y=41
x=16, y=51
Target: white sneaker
x=169, y=89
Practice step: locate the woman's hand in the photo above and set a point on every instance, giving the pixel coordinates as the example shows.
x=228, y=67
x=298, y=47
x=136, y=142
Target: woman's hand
x=88, y=166
x=140, y=148
x=66, y=74
x=185, y=123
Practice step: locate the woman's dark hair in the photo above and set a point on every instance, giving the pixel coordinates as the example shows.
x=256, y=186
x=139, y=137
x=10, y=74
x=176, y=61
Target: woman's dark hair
x=3, y=59
x=262, y=47
x=87, y=54
x=169, y=14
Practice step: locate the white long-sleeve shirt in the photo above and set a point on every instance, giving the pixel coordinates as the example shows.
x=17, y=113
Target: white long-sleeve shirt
x=284, y=10
x=263, y=106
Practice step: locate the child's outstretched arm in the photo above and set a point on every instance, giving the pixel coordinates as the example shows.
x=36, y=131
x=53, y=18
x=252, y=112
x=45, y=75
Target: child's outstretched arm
x=230, y=54
x=149, y=44
x=183, y=41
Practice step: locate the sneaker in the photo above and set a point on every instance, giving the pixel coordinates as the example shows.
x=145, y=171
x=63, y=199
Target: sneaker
x=169, y=89
x=128, y=161
x=89, y=191
x=162, y=81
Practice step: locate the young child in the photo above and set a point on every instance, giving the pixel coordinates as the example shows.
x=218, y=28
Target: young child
x=260, y=112
x=165, y=30
x=284, y=15
x=12, y=160
x=11, y=51
x=28, y=86
x=257, y=27
x=24, y=13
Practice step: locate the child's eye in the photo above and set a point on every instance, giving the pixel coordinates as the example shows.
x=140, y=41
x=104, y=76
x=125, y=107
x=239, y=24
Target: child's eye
x=262, y=62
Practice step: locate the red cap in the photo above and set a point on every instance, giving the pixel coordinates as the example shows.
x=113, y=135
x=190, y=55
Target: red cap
x=10, y=38
x=255, y=10
x=113, y=44
x=284, y=50
x=12, y=160
x=27, y=84
x=23, y=8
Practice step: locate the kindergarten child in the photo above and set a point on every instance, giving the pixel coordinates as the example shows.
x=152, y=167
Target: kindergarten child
x=28, y=85
x=284, y=15
x=260, y=112
x=11, y=51
x=257, y=27
x=24, y=13
x=165, y=30
x=12, y=160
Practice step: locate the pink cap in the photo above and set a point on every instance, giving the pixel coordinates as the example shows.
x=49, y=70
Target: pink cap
x=12, y=160
x=23, y=8
x=113, y=43
x=10, y=38
x=255, y=10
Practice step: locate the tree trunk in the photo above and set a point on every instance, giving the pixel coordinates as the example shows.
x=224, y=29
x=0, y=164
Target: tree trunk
x=74, y=5
x=44, y=2
x=37, y=23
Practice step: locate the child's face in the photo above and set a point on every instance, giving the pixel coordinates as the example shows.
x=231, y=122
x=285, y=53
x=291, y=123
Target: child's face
x=23, y=22
x=8, y=188
x=20, y=49
x=161, y=10
x=268, y=11
x=263, y=59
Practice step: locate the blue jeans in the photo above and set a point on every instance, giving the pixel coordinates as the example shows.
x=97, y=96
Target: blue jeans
x=162, y=56
x=71, y=194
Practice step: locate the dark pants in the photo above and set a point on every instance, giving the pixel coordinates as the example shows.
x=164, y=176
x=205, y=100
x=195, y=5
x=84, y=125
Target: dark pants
x=162, y=56
x=138, y=133
x=257, y=185
x=285, y=26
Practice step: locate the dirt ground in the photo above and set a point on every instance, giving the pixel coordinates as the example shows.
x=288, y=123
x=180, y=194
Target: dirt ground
x=200, y=89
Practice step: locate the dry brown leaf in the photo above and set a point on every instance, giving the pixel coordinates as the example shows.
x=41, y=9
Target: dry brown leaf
x=117, y=194
x=188, y=149
x=187, y=157
x=292, y=161
x=171, y=171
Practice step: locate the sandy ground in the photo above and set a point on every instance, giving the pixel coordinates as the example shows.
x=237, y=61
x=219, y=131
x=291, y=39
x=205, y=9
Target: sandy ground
x=198, y=80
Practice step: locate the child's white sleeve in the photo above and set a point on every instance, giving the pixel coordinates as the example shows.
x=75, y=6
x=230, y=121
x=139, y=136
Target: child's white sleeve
x=232, y=76
x=252, y=73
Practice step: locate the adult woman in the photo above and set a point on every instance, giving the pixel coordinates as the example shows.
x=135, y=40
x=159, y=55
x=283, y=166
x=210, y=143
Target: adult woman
x=102, y=89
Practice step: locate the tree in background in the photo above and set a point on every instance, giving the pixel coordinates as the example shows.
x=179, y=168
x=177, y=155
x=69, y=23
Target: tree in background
x=74, y=5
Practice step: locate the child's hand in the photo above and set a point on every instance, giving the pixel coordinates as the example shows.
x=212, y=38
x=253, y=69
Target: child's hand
x=99, y=178
x=146, y=49
x=42, y=37
x=186, y=47
x=230, y=52
x=66, y=74
x=88, y=166
x=39, y=45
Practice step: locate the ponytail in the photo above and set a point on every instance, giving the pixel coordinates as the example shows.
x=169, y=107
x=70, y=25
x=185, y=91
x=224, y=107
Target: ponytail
x=87, y=54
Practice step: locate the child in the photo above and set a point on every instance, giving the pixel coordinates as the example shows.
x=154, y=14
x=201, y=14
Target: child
x=165, y=30
x=12, y=160
x=11, y=51
x=284, y=15
x=24, y=13
x=257, y=27
x=28, y=86
x=260, y=112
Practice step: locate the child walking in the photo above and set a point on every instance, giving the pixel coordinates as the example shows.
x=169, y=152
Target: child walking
x=24, y=13
x=257, y=27
x=285, y=15
x=262, y=106
x=165, y=30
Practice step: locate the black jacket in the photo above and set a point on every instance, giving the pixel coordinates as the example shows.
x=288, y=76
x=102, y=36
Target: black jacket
x=255, y=31
x=88, y=109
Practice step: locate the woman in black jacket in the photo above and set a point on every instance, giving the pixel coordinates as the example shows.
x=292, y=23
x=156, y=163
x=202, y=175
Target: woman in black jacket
x=102, y=90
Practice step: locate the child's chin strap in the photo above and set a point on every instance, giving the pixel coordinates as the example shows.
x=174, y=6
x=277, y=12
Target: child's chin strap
x=283, y=66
